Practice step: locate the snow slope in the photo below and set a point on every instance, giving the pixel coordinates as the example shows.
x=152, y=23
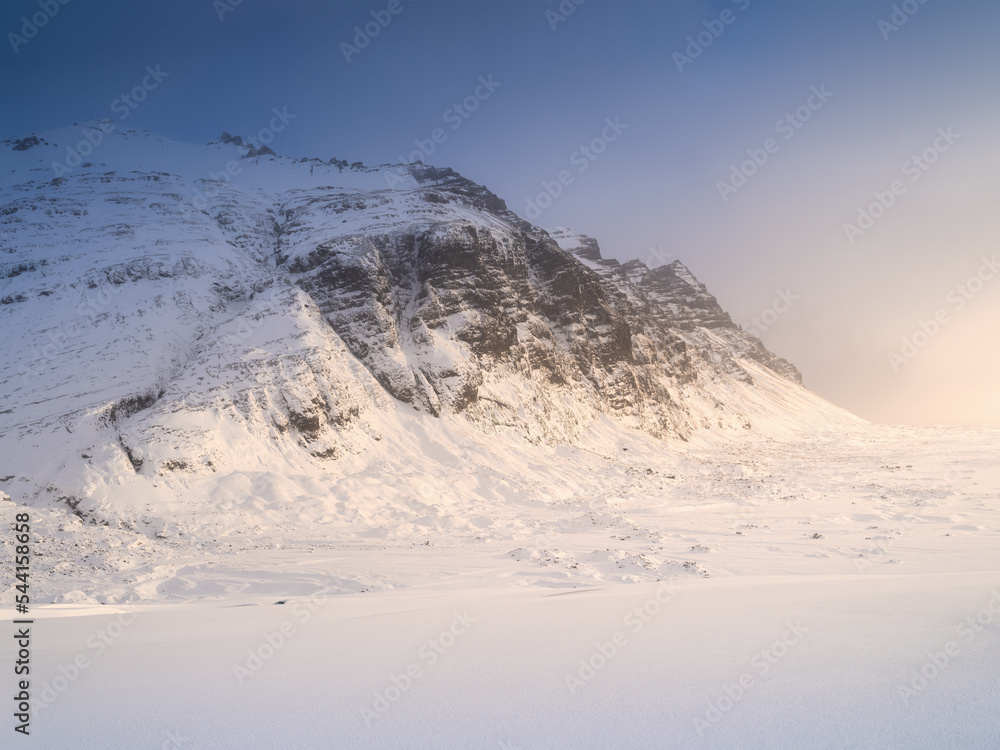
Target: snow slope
x=558, y=612
x=320, y=455
x=180, y=317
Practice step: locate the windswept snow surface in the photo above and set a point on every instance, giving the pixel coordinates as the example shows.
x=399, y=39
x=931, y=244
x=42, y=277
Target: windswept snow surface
x=320, y=456
x=825, y=592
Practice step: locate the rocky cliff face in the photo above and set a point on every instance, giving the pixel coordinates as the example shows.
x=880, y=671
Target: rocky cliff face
x=671, y=298
x=164, y=317
x=451, y=307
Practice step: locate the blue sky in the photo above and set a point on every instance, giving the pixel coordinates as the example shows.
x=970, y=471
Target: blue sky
x=654, y=191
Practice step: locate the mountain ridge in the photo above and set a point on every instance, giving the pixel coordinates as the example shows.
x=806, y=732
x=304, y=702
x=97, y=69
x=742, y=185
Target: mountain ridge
x=175, y=322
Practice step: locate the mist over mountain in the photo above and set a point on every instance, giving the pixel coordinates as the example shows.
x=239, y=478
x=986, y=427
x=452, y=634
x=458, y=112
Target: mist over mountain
x=234, y=379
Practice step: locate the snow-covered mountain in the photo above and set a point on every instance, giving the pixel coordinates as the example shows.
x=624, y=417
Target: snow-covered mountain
x=177, y=314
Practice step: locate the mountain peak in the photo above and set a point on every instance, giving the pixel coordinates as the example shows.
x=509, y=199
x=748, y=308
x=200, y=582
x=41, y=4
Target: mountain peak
x=274, y=312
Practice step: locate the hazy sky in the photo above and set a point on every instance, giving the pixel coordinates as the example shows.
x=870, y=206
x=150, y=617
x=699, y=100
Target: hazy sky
x=831, y=99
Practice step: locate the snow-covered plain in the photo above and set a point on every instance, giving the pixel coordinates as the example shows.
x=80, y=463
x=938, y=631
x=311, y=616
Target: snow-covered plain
x=834, y=591
x=266, y=513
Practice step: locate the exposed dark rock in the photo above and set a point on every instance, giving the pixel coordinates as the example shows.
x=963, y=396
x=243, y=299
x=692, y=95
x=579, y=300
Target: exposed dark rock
x=25, y=143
